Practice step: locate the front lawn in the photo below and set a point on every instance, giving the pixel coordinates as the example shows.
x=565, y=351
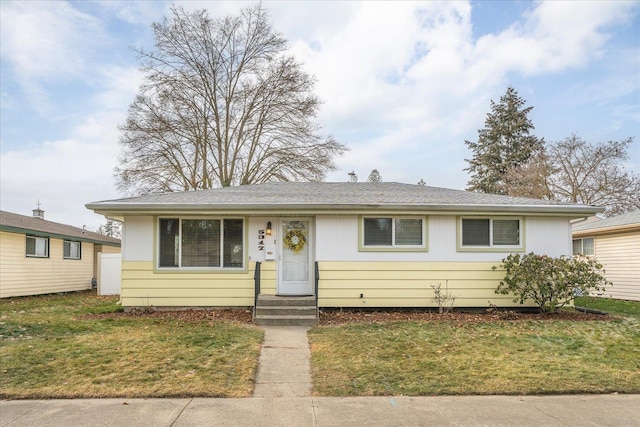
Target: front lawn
x=78, y=345
x=612, y=306
x=453, y=357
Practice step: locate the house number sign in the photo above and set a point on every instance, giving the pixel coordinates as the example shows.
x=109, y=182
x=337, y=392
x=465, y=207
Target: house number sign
x=261, y=240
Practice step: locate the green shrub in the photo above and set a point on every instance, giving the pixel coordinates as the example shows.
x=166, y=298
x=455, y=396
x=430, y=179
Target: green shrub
x=551, y=282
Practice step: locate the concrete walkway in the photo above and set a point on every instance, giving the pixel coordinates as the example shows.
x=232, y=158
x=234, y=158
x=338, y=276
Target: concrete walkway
x=283, y=369
x=282, y=397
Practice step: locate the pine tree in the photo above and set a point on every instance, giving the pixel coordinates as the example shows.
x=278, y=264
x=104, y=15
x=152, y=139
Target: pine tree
x=375, y=176
x=504, y=143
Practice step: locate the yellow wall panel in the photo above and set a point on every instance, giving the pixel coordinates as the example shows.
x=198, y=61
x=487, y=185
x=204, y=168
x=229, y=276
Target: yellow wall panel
x=406, y=284
x=21, y=275
x=187, y=302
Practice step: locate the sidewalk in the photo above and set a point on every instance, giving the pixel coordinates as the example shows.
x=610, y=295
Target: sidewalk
x=282, y=397
x=596, y=410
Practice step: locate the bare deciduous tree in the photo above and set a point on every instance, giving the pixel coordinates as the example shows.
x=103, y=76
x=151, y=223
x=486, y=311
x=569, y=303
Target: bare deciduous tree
x=575, y=171
x=221, y=104
x=530, y=179
x=593, y=174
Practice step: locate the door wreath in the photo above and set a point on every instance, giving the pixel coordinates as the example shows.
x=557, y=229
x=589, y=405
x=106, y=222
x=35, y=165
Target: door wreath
x=294, y=240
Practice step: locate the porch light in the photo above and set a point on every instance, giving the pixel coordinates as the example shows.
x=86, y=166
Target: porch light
x=269, y=228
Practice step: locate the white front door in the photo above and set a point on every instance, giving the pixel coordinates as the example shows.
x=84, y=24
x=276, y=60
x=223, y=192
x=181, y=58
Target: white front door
x=295, y=272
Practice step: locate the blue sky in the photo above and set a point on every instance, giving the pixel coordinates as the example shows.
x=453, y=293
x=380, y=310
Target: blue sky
x=403, y=84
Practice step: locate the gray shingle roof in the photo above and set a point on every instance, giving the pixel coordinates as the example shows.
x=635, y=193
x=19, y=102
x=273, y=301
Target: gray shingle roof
x=20, y=223
x=616, y=221
x=332, y=196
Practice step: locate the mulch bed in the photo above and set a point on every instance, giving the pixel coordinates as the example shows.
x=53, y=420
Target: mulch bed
x=232, y=315
x=341, y=317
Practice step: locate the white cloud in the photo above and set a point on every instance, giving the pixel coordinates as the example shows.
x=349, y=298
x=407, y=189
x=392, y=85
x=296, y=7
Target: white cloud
x=413, y=73
x=48, y=42
x=63, y=175
x=66, y=174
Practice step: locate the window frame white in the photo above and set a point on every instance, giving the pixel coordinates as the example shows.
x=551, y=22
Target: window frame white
x=70, y=243
x=37, y=238
x=491, y=246
x=394, y=246
x=180, y=267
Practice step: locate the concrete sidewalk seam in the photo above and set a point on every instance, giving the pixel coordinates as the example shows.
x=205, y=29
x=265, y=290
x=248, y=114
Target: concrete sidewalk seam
x=180, y=413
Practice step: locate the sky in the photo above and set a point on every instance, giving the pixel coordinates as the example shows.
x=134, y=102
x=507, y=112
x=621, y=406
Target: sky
x=403, y=84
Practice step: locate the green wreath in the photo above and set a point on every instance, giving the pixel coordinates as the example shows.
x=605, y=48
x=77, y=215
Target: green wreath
x=295, y=240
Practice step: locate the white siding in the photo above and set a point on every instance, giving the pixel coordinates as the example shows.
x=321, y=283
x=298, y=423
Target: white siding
x=256, y=224
x=337, y=240
x=548, y=236
x=137, y=238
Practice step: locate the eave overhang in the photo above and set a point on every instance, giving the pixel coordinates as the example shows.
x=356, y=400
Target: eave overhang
x=125, y=209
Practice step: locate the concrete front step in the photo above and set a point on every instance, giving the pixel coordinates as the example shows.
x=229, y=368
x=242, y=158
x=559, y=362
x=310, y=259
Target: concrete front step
x=267, y=320
x=270, y=300
x=279, y=310
x=285, y=311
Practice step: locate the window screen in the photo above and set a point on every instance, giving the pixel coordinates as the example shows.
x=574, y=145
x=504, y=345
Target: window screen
x=37, y=246
x=506, y=232
x=233, y=240
x=408, y=232
x=377, y=232
x=169, y=242
x=475, y=232
x=201, y=243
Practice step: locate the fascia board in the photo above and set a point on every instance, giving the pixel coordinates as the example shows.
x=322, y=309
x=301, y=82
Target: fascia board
x=123, y=209
x=607, y=230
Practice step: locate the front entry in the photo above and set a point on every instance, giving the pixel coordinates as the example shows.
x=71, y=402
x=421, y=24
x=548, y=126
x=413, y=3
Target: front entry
x=295, y=275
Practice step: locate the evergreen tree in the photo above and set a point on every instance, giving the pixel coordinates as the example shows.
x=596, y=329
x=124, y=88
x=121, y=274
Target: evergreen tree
x=375, y=176
x=504, y=143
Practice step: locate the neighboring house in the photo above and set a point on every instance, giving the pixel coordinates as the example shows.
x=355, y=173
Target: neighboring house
x=375, y=244
x=615, y=243
x=41, y=257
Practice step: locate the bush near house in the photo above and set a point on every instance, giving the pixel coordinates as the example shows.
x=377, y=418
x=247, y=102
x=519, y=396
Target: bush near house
x=551, y=282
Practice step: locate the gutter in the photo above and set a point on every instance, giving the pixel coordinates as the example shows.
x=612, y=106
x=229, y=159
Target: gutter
x=121, y=209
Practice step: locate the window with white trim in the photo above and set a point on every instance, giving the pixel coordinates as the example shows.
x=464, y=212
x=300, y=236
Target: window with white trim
x=71, y=250
x=37, y=247
x=393, y=232
x=490, y=232
x=201, y=243
x=584, y=246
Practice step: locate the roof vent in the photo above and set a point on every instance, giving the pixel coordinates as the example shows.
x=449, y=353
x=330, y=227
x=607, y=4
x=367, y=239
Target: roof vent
x=38, y=213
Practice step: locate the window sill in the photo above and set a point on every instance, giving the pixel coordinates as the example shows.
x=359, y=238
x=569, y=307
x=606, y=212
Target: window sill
x=504, y=249
x=392, y=249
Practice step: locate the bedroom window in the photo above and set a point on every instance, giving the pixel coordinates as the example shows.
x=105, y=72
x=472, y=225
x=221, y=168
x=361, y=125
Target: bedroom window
x=491, y=232
x=71, y=250
x=37, y=247
x=201, y=243
x=583, y=246
x=392, y=232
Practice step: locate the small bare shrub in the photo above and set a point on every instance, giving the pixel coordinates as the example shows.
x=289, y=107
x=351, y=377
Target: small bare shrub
x=442, y=297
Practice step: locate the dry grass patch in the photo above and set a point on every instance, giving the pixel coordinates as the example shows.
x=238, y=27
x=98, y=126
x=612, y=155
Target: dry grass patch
x=70, y=346
x=453, y=357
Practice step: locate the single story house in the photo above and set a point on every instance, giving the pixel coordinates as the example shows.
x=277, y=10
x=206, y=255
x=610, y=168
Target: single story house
x=346, y=244
x=42, y=257
x=615, y=243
